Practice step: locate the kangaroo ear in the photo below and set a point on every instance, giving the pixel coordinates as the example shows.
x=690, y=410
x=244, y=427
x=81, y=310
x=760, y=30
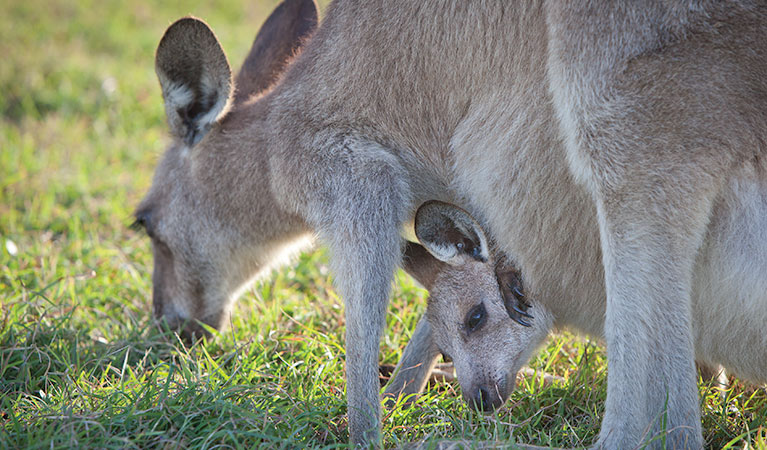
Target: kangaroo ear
x=421, y=265
x=280, y=38
x=195, y=78
x=450, y=233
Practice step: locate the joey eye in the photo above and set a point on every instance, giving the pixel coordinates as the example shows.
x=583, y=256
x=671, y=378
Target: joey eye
x=475, y=318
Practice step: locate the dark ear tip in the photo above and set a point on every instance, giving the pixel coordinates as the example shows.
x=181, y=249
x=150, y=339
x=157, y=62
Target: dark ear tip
x=186, y=24
x=189, y=21
x=307, y=8
x=189, y=37
x=303, y=11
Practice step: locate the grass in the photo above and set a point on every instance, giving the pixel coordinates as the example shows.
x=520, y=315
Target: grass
x=81, y=128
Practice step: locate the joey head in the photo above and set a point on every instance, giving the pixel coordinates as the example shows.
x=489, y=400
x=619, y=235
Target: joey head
x=477, y=310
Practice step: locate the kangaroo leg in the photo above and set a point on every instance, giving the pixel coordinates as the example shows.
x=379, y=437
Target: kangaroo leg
x=417, y=362
x=653, y=155
x=650, y=235
x=361, y=210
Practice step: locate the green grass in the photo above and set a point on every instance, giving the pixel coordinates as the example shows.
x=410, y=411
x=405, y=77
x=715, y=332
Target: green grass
x=81, y=128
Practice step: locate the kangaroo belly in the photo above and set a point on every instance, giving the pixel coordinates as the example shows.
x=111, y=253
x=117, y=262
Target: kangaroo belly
x=730, y=285
x=518, y=186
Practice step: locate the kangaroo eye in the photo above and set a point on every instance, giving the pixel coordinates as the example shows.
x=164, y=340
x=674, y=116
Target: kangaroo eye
x=142, y=222
x=138, y=225
x=475, y=318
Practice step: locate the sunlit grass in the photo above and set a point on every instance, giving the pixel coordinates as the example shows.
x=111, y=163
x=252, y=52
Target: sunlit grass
x=81, y=128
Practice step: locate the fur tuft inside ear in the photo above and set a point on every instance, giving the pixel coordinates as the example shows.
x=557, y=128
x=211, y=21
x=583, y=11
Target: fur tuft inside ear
x=450, y=233
x=195, y=78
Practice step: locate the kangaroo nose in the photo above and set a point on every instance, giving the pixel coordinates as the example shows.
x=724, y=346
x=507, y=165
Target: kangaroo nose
x=486, y=401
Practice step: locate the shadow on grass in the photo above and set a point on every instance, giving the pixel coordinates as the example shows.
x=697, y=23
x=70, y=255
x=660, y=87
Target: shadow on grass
x=61, y=387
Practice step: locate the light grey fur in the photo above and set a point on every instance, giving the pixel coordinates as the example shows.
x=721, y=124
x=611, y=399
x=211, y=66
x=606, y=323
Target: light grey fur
x=490, y=358
x=610, y=147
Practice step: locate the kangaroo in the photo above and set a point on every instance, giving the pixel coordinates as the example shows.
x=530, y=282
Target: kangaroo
x=479, y=314
x=475, y=309
x=615, y=149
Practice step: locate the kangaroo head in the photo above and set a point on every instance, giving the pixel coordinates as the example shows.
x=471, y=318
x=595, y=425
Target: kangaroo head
x=478, y=311
x=210, y=196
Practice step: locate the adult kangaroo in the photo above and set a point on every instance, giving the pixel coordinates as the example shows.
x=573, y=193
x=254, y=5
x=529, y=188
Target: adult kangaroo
x=596, y=142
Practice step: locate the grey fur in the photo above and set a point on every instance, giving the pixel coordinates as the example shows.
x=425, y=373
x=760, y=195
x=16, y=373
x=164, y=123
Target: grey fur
x=615, y=149
x=491, y=357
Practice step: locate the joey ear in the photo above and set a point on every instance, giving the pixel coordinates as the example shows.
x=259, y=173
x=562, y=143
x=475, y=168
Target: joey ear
x=195, y=78
x=280, y=37
x=421, y=265
x=450, y=233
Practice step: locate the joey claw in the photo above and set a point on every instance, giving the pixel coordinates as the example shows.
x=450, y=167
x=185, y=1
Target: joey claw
x=521, y=321
x=517, y=291
x=521, y=313
x=517, y=315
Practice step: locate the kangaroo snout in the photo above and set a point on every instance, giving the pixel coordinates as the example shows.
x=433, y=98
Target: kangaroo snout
x=190, y=329
x=486, y=398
